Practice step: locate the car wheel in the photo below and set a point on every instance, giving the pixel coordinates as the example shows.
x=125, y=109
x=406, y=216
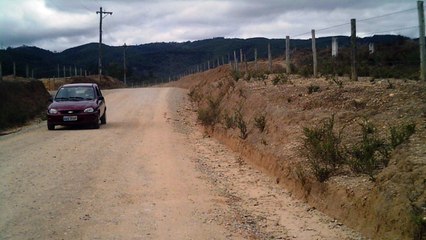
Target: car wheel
x=103, y=118
x=96, y=125
x=50, y=126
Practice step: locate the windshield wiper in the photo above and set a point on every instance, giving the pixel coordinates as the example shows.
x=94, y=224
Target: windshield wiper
x=61, y=99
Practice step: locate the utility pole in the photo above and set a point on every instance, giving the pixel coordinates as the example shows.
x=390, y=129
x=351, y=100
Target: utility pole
x=101, y=16
x=124, y=64
x=422, y=40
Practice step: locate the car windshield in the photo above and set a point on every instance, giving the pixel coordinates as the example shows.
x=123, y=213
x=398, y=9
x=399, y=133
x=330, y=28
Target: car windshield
x=75, y=93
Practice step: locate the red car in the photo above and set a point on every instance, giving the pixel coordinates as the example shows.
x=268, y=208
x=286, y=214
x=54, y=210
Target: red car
x=77, y=104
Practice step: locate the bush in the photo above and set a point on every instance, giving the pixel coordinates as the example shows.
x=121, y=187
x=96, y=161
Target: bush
x=260, y=122
x=209, y=116
x=313, y=88
x=241, y=124
x=419, y=220
x=400, y=134
x=194, y=96
x=229, y=121
x=236, y=75
x=321, y=146
x=371, y=154
x=280, y=79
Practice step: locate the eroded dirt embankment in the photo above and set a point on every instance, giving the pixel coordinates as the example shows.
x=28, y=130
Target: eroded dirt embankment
x=20, y=100
x=391, y=207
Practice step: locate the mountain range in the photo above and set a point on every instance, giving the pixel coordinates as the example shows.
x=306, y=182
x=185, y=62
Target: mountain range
x=160, y=61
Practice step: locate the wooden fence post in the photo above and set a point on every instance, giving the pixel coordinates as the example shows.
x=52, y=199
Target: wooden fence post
x=255, y=59
x=287, y=54
x=314, y=54
x=14, y=70
x=235, y=61
x=241, y=58
x=420, y=11
x=269, y=58
x=354, y=74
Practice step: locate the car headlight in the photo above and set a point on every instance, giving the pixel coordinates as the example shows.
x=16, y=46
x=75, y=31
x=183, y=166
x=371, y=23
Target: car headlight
x=89, y=110
x=53, y=111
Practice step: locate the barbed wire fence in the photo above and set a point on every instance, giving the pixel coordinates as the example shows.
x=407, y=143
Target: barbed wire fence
x=359, y=51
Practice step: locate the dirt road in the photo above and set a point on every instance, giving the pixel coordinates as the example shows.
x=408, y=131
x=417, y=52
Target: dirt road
x=148, y=174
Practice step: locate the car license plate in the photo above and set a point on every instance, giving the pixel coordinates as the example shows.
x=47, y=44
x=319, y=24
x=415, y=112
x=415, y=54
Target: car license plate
x=70, y=118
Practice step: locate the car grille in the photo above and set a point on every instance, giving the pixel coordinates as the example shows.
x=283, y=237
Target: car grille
x=70, y=111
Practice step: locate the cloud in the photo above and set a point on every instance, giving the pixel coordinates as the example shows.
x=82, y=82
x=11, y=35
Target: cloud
x=61, y=24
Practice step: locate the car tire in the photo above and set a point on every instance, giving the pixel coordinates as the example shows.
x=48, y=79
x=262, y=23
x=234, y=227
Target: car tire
x=50, y=126
x=104, y=118
x=96, y=125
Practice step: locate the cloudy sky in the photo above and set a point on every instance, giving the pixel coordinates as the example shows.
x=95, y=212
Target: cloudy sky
x=60, y=24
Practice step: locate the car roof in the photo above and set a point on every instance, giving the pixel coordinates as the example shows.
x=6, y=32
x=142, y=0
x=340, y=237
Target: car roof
x=80, y=85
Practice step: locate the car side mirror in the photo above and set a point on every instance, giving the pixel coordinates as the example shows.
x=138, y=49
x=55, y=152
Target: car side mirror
x=50, y=99
x=101, y=98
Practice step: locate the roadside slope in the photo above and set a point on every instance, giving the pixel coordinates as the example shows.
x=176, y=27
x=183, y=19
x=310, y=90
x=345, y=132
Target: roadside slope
x=392, y=207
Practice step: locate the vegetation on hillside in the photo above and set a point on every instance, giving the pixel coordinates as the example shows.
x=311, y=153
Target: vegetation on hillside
x=395, y=56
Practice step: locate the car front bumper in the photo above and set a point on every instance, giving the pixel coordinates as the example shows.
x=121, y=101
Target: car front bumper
x=81, y=119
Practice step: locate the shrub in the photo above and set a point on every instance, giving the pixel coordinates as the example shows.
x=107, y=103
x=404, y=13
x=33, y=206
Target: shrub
x=194, y=96
x=313, y=88
x=371, y=153
x=400, y=134
x=260, y=122
x=338, y=82
x=241, y=124
x=419, y=220
x=322, y=147
x=229, y=121
x=236, y=75
x=280, y=79
x=209, y=116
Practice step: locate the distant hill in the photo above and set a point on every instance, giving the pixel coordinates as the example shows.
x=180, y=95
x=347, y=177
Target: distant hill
x=159, y=61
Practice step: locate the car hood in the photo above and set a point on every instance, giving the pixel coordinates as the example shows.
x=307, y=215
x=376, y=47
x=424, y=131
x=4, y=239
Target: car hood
x=73, y=105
